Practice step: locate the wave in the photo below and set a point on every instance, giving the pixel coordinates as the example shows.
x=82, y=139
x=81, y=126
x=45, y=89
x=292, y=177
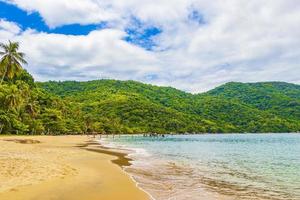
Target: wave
x=169, y=179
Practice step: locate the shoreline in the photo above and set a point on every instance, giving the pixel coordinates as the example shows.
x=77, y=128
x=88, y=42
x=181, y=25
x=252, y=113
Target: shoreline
x=123, y=160
x=152, y=172
x=121, y=155
x=42, y=171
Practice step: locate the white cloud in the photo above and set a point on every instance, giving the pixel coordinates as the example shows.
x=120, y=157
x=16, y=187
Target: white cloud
x=60, y=12
x=101, y=53
x=241, y=41
x=8, y=29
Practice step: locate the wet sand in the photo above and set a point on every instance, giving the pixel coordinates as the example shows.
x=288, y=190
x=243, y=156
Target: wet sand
x=64, y=168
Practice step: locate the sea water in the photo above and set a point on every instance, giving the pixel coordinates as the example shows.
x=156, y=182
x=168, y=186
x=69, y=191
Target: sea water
x=215, y=166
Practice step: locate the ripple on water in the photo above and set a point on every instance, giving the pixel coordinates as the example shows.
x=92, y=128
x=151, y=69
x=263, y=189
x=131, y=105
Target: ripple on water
x=265, y=167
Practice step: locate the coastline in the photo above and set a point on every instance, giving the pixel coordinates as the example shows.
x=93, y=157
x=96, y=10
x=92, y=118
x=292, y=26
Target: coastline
x=123, y=153
x=63, y=167
x=170, y=173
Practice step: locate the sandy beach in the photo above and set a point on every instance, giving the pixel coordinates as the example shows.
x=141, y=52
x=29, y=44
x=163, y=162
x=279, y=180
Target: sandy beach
x=64, y=168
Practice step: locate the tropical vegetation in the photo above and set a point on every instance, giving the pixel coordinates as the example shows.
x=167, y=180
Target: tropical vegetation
x=116, y=107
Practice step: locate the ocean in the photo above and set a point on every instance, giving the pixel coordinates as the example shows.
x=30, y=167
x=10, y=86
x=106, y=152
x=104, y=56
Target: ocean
x=215, y=166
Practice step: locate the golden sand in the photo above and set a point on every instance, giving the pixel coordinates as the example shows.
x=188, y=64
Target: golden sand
x=62, y=168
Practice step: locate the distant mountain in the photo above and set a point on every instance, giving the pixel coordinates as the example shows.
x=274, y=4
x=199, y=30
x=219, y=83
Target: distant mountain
x=133, y=107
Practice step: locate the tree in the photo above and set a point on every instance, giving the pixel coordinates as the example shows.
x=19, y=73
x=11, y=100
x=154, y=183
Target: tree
x=10, y=63
x=13, y=100
x=4, y=120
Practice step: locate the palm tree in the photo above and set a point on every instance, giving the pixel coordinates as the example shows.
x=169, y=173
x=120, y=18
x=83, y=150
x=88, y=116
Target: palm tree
x=10, y=63
x=13, y=100
x=4, y=120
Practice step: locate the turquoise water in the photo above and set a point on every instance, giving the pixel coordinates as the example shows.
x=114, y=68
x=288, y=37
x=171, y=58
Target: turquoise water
x=235, y=166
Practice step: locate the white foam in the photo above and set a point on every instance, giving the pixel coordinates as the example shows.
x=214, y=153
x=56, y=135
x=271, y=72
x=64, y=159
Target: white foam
x=134, y=152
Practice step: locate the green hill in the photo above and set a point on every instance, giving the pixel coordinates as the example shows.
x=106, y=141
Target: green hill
x=111, y=106
x=132, y=106
x=282, y=99
x=233, y=107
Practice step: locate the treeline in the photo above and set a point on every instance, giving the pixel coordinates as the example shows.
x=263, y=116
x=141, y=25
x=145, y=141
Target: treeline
x=26, y=108
x=117, y=107
x=136, y=108
x=29, y=109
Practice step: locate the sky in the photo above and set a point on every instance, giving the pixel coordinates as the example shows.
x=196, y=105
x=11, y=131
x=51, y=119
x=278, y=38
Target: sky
x=192, y=45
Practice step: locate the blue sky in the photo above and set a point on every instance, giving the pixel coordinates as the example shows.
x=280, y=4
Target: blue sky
x=192, y=45
x=138, y=34
x=33, y=20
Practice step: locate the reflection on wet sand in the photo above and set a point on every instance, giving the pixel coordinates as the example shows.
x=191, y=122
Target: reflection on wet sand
x=169, y=181
x=174, y=182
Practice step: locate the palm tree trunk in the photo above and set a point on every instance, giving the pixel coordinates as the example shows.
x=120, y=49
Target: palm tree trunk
x=3, y=76
x=1, y=128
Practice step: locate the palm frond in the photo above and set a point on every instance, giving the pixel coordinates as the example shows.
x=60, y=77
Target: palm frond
x=20, y=57
x=21, y=54
x=12, y=60
x=16, y=64
x=2, y=45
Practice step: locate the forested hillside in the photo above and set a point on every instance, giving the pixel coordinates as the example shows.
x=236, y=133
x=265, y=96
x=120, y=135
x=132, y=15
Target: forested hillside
x=138, y=107
x=282, y=99
x=116, y=107
x=110, y=106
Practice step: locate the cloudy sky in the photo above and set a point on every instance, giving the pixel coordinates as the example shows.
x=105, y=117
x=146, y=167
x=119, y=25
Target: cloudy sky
x=193, y=45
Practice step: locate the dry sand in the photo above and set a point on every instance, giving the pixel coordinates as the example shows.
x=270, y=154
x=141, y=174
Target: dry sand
x=62, y=168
